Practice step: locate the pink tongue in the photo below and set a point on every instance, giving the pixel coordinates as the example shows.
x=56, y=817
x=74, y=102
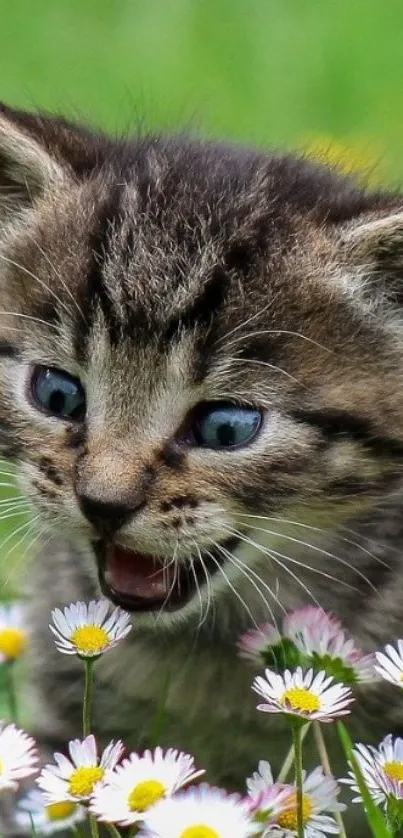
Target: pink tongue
x=137, y=574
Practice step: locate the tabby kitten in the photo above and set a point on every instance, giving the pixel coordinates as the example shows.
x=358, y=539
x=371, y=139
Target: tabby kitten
x=201, y=389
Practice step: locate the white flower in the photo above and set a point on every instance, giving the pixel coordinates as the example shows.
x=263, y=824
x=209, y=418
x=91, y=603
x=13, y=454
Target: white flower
x=254, y=642
x=18, y=757
x=46, y=819
x=76, y=778
x=139, y=782
x=200, y=812
x=308, y=696
x=319, y=796
x=382, y=769
x=389, y=664
x=86, y=631
x=13, y=632
x=261, y=780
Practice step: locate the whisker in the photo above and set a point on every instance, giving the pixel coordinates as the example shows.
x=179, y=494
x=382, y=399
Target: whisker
x=317, y=549
x=269, y=366
x=270, y=554
x=37, y=279
x=278, y=332
x=247, y=571
x=27, y=317
x=230, y=585
x=320, y=530
x=245, y=322
x=60, y=279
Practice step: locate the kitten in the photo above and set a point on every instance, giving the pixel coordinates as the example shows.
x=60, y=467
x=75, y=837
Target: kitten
x=201, y=388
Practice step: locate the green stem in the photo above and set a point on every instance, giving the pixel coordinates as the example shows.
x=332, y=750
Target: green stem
x=289, y=760
x=93, y=823
x=113, y=831
x=324, y=758
x=297, y=739
x=11, y=692
x=89, y=671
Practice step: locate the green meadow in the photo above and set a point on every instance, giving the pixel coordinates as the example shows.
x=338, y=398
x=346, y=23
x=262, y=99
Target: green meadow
x=290, y=73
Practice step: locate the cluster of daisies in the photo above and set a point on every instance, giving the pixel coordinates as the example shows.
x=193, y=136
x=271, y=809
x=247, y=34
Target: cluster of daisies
x=310, y=668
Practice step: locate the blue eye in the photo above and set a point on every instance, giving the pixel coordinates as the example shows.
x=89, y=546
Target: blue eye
x=225, y=425
x=58, y=393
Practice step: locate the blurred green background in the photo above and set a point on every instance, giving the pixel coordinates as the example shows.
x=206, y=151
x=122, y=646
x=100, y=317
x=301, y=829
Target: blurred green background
x=292, y=73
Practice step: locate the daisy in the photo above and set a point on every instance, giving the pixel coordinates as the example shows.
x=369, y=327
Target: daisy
x=139, y=782
x=382, y=769
x=46, y=819
x=389, y=664
x=312, y=617
x=18, y=757
x=319, y=797
x=267, y=806
x=256, y=643
x=308, y=696
x=76, y=778
x=200, y=812
x=261, y=780
x=86, y=631
x=310, y=638
x=13, y=633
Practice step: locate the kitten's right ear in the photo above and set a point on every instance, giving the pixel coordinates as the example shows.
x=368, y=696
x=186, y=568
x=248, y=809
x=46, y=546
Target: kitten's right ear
x=27, y=168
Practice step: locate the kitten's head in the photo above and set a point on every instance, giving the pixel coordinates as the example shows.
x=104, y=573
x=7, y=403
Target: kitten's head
x=198, y=345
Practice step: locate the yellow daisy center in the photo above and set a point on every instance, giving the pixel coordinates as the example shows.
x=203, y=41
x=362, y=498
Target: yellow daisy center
x=300, y=698
x=82, y=780
x=288, y=818
x=394, y=770
x=58, y=811
x=13, y=642
x=145, y=794
x=199, y=830
x=89, y=639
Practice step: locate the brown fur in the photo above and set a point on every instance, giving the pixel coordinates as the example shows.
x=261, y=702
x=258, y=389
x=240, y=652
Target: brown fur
x=165, y=272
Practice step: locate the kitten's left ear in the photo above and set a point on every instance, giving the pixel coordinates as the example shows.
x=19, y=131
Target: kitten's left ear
x=374, y=247
x=26, y=166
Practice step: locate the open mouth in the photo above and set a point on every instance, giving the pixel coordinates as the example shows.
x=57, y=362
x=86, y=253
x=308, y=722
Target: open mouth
x=141, y=582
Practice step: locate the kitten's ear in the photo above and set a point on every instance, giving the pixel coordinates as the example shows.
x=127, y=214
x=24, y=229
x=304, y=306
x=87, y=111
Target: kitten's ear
x=26, y=166
x=374, y=247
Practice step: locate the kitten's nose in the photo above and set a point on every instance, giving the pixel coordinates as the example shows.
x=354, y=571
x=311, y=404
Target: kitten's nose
x=107, y=515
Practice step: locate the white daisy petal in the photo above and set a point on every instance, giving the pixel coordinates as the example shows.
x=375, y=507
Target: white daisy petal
x=76, y=778
x=86, y=631
x=18, y=756
x=47, y=819
x=382, y=769
x=303, y=695
x=202, y=810
x=319, y=801
x=139, y=782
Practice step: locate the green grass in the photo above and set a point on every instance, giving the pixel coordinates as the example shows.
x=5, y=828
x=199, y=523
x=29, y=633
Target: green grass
x=273, y=72
x=269, y=71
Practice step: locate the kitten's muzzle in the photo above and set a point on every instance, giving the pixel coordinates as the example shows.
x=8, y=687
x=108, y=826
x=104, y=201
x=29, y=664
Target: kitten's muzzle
x=140, y=582
x=107, y=516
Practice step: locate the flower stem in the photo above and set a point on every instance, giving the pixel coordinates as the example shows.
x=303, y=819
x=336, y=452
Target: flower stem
x=324, y=758
x=289, y=760
x=297, y=739
x=93, y=823
x=113, y=831
x=11, y=692
x=89, y=671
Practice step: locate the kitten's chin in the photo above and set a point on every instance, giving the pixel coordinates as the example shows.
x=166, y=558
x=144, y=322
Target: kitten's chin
x=141, y=582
